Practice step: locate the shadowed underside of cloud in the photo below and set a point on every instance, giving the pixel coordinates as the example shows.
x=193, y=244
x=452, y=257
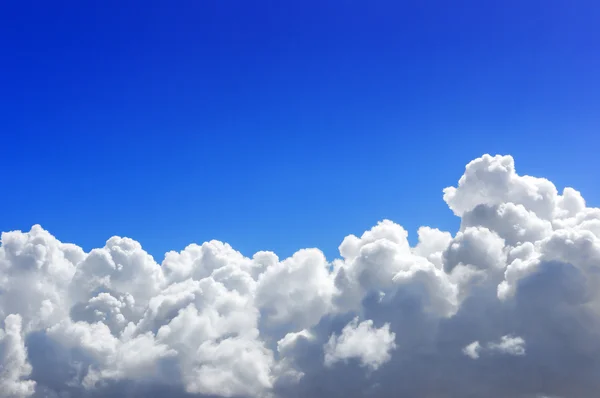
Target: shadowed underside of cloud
x=508, y=306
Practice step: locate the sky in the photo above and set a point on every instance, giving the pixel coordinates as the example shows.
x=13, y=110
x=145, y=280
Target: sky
x=282, y=125
x=209, y=199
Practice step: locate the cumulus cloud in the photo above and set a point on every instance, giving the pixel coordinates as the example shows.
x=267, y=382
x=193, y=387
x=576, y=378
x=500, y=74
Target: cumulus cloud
x=508, y=305
x=472, y=350
x=370, y=345
x=14, y=366
x=508, y=345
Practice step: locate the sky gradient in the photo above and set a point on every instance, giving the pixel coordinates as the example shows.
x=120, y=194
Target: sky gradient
x=283, y=125
x=403, y=198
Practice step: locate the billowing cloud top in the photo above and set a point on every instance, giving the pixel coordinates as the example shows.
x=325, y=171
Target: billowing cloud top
x=508, y=306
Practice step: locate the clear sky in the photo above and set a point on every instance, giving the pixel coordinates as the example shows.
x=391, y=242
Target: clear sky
x=280, y=125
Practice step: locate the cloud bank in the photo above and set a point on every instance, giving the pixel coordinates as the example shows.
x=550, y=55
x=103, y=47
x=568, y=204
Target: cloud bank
x=507, y=306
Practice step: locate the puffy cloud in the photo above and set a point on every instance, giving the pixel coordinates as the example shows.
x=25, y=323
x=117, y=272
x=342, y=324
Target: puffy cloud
x=493, y=180
x=296, y=292
x=370, y=345
x=516, y=288
x=508, y=345
x=477, y=247
x=289, y=340
x=432, y=244
x=472, y=350
x=14, y=366
x=513, y=223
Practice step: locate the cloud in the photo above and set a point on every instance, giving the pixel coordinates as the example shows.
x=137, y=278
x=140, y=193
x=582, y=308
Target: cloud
x=371, y=346
x=472, y=350
x=507, y=345
x=509, y=305
x=15, y=368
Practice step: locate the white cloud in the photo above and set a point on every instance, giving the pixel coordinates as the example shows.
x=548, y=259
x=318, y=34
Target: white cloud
x=14, y=366
x=472, y=350
x=477, y=247
x=296, y=292
x=371, y=346
x=493, y=180
x=520, y=280
x=509, y=345
x=289, y=340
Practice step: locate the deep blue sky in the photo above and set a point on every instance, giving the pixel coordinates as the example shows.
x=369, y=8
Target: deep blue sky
x=283, y=124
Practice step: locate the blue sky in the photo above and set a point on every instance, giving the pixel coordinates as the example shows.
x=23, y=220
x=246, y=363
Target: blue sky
x=283, y=125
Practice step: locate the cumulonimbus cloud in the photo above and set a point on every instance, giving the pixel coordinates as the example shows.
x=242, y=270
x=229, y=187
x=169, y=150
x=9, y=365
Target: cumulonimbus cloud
x=516, y=288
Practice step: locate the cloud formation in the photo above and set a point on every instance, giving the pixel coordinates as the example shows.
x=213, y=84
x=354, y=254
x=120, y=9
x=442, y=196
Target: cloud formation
x=508, y=345
x=362, y=341
x=507, y=306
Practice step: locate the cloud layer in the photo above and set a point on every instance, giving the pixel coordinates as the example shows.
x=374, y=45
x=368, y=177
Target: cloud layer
x=507, y=306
